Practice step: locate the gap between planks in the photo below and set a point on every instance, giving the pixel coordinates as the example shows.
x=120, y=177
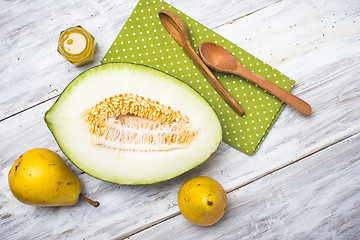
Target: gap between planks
x=35, y=105
x=344, y=138
x=246, y=15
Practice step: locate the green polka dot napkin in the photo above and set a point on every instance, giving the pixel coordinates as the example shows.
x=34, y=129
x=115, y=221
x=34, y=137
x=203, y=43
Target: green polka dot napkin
x=144, y=40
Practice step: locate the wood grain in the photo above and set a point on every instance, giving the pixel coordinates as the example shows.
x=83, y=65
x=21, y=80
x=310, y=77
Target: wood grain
x=311, y=159
x=311, y=199
x=29, y=48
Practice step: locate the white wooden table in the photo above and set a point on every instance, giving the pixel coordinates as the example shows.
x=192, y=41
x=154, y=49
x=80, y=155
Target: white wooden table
x=303, y=182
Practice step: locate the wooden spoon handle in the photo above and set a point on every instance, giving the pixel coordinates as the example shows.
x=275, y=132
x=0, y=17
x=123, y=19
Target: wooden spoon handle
x=213, y=80
x=275, y=90
x=177, y=29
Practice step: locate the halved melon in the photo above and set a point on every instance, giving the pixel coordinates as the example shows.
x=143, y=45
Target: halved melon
x=130, y=124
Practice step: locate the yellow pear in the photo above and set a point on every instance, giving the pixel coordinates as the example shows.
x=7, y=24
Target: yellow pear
x=202, y=201
x=40, y=177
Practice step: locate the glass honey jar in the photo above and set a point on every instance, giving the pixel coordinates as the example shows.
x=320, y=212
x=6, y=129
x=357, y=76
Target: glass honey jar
x=77, y=45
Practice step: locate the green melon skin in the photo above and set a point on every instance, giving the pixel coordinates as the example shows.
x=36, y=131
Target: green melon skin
x=65, y=121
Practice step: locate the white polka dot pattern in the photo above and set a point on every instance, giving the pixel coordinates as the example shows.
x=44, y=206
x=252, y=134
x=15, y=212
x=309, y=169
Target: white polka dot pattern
x=144, y=40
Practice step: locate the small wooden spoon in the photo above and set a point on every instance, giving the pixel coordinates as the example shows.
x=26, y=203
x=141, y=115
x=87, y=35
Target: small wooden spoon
x=221, y=60
x=177, y=29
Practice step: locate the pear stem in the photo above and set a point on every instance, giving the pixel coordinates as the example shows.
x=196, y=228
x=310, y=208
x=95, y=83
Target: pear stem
x=94, y=203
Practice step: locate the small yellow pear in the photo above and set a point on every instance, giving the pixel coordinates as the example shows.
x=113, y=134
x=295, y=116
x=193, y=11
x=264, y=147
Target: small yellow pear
x=40, y=177
x=202, y=201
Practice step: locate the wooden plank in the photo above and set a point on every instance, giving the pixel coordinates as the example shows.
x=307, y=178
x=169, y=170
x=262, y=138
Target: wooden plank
x=316, y=198
x=301, y=38
x=30, y=47
x=128, y=209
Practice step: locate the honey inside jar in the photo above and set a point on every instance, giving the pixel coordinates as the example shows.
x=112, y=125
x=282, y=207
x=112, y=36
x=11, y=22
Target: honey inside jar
x=77, y=45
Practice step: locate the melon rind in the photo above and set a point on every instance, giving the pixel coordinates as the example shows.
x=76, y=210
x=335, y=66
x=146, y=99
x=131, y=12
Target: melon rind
x=64, y=119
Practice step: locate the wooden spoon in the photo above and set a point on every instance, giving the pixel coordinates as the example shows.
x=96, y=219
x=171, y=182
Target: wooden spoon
x=221, y=60
x=177, y=29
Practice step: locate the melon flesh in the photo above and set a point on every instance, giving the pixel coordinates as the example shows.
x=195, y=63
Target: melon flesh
x=138, y=143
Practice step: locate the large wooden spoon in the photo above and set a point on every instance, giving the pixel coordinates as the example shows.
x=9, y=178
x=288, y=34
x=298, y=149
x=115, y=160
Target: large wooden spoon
x=220, y=59
x=177, y=29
